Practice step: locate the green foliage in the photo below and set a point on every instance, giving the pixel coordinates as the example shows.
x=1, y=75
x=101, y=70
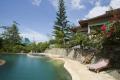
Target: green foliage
x=10, y=39
x=52, y=41
x=1, y=40
x=39, y=47
x=96, y=40
x=11, y=35
x=42, y=46
x=79, y=39
x=32, y=47
x=18, y=49
x=114, y=39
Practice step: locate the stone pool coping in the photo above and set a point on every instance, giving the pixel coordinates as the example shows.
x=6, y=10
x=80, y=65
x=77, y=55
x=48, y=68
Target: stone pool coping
x=79, y=71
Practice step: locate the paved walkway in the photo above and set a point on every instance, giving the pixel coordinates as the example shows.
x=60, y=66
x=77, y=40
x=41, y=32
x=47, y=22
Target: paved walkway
x=80, y=72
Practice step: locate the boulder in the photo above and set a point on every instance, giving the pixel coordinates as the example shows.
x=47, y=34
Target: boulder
x=2, y=62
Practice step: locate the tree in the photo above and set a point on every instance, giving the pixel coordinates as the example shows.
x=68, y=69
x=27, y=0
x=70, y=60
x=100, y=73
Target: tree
x=11, y=37
x=79, y=38
x=11, y=34
x=42, y=46
x=1, y=45
x=60, y=27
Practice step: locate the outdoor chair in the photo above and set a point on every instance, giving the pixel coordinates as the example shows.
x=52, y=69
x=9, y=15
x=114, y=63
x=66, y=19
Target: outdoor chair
x=100, y=65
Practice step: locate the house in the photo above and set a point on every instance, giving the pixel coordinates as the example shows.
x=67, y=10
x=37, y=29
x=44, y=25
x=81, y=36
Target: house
x=86, y=25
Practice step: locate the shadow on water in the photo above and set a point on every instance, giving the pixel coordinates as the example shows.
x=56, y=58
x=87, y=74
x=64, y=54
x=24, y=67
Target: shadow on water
x=61, y=72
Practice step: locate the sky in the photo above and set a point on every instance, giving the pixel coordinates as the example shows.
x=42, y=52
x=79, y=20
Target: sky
x=36, y=17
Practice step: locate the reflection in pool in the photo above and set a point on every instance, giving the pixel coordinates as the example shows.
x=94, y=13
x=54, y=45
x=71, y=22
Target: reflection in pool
x=22, y=67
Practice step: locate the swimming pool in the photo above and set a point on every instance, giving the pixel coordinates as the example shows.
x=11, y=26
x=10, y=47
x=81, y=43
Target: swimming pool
x=22, y=67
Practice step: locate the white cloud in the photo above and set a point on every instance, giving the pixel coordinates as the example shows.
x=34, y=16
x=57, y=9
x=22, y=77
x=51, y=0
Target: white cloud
x=115, y=4
x=96, y=11
x=99, y=10
x=76, y=4
x=70, y=4
x=36, y=2
x=54, y=3
x=34, y=36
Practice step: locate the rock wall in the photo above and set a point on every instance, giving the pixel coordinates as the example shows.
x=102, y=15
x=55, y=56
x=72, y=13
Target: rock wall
x=84, y=56
x=56, y=51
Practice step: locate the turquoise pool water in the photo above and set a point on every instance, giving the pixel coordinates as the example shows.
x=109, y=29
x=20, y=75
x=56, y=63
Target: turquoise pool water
x=22, y=67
